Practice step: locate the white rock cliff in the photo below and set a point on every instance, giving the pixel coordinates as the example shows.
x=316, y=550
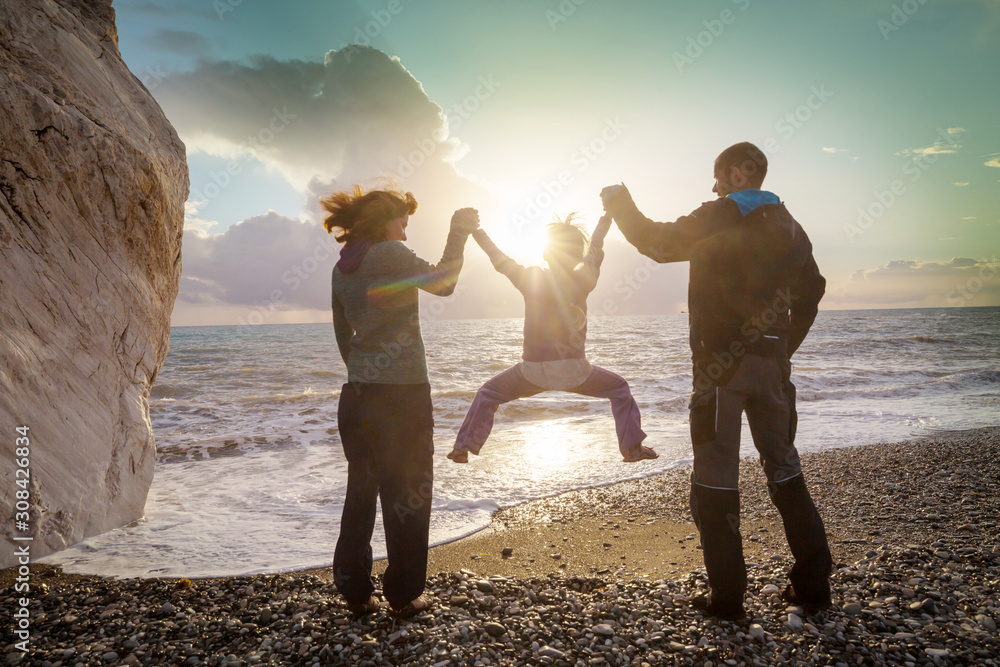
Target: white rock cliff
x=93, y=181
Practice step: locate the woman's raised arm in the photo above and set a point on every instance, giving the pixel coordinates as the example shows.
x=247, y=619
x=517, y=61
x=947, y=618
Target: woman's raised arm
x=441, y=278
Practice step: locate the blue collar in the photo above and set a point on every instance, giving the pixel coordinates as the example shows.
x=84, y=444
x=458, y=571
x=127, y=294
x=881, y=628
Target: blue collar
x=748, y=200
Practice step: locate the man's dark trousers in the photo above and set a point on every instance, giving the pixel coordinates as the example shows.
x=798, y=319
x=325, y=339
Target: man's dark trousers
x=761, y=387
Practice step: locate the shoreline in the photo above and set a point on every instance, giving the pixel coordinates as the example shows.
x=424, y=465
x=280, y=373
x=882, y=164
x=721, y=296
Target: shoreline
x=512, y=524
x=908, y=523
x=560, y=516
x=570, y=515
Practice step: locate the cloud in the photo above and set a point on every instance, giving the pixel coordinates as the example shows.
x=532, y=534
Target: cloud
x=193, y=220
x=921, y=284
x=995, y=162
x=828, y=149
x=356, y=115
x=961, y=185
x=947, y=142
x=266, y=259
x=937, y=148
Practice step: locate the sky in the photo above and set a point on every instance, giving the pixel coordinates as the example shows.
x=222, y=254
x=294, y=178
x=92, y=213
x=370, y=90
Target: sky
x=879, y=120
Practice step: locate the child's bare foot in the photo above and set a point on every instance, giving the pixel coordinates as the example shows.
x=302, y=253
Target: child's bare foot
x=639, y=453
x=459, y=456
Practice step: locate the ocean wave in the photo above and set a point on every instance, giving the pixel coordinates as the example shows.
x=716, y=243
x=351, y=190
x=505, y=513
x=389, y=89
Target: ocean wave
x=961, y=381
x=175, y=412
x=338, y=375
x=677, y=404
x=461, y=504
x=280, y=399
x=172, y=391
x=177, y=450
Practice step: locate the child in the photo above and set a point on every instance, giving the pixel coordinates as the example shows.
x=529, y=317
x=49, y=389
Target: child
x=555, y=333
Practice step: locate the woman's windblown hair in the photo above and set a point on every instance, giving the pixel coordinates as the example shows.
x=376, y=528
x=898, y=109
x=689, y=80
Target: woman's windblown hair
x=363, y=216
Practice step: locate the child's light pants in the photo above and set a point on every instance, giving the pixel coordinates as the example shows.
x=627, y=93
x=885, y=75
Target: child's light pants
x=511, y=385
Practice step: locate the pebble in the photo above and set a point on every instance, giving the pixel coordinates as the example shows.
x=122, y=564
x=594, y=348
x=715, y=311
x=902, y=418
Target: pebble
x=852, y=608
x=549, y=652
x=495, y=629
x=927, y=597
x=603, y=629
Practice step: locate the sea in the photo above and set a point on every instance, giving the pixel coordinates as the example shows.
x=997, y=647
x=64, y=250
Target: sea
x=250, y=474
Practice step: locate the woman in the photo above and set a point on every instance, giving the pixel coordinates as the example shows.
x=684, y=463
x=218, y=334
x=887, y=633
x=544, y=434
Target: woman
x=385, y=416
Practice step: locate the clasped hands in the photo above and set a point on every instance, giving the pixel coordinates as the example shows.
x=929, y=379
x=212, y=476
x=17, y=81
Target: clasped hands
x=614, y=193
x=466, y=220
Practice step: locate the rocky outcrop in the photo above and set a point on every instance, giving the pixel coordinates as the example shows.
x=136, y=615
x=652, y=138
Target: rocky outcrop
x=93, y=181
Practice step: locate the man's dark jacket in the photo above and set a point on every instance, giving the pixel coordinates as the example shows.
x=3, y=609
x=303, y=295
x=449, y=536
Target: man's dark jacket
x=754, y=285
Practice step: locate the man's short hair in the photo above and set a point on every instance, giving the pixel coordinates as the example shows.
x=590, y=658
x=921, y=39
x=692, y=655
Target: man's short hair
x=750, y=159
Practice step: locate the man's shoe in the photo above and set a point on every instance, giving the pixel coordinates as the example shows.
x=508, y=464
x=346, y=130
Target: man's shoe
x=364, y=608
x=703, y=603
x=412, y=608
x=789, y=595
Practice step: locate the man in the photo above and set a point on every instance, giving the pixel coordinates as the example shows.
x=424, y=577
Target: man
x=753, y=293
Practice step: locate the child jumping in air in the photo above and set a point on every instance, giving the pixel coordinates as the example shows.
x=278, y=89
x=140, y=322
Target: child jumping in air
x=555, y=334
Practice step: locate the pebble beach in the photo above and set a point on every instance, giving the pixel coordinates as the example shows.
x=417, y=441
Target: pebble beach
x=601, y=576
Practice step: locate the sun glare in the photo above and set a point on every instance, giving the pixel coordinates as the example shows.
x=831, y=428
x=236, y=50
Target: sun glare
x=546, y=446
x=523, y=243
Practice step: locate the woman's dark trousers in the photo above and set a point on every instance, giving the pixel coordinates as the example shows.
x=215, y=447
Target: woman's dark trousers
x=387, y=432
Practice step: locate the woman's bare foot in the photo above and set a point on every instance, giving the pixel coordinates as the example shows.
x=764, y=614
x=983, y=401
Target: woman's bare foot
x=459, y=456
x=639, y=453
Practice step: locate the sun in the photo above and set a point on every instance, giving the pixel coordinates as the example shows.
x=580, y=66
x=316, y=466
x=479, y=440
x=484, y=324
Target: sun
x=521, y=241
x=523, y=246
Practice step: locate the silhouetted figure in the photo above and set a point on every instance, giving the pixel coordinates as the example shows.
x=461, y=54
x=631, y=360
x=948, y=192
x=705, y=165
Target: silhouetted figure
x=385, y=414
x=753, y=295
x=555, y=336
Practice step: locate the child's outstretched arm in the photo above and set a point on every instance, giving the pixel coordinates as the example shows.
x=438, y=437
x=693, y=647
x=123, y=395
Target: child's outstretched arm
x=501, y=262
x=591, y=269
x=600, y=231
